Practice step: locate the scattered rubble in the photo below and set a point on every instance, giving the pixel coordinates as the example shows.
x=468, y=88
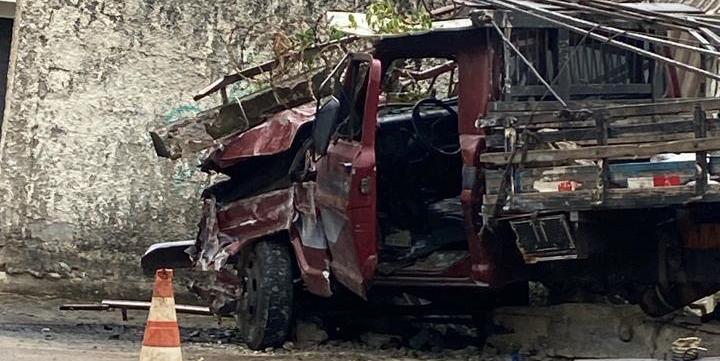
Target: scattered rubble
x=309, y=333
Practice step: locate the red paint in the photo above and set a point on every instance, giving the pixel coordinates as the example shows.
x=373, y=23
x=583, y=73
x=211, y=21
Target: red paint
x=568, y=186
x=475, y=65
x=336, y=201
x=666, y=180
x=271, y=137
x=341, y=201
x=254, y=217
x=474, y=83
x=312, y=263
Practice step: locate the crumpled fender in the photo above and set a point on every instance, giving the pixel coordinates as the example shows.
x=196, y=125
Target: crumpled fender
x=226, y=230
x=273, y=136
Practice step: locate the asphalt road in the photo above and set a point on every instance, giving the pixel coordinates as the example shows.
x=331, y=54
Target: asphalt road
x=33, y=329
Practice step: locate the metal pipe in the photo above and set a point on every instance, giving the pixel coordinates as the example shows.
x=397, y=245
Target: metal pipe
x=614, y=30
x=610, y=5
x=142, y=305
x=610, y=13
x=527, y=62
x=506, y=5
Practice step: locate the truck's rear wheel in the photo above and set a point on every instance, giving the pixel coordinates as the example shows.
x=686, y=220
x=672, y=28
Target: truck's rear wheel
x=264, y=312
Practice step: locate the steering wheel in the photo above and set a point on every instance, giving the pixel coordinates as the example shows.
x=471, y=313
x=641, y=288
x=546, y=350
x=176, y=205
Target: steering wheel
x=416, y=119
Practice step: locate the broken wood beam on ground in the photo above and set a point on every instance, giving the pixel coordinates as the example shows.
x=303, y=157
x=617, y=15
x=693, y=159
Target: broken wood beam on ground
x=201, y=131
x=607, y=151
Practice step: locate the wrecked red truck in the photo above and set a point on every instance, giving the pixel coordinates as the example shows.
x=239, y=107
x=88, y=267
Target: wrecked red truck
x=601, y=184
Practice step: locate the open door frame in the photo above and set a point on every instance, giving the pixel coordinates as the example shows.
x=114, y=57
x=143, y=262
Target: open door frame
x=346, y=183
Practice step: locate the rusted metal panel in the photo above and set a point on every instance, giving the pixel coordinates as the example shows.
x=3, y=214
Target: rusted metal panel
x=206, y=128
x=224, y=231
x=347, y=193
x=271, y=137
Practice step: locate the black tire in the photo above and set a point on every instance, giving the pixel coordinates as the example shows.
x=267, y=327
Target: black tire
x=264, y=312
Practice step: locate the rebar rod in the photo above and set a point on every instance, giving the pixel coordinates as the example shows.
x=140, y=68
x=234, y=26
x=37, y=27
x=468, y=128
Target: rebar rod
x=610, y=13
x=507, y=4
x=614, y=30
x=611, y=5
x=527, y=62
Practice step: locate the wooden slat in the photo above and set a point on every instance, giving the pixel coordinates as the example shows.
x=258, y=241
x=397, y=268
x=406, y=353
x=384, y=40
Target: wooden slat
x=520, y=106
x=614, y=199
x=585, y=89
x=618, y=111
x=251, y=72
x=648, y=130
x=587, y=175
x=616, y=122
x=525, y=178
x=199, y=132
x=608, y=151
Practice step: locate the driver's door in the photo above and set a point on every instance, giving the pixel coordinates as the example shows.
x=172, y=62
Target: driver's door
x=346, y=178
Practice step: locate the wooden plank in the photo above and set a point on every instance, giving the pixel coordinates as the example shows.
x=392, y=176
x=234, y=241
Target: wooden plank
x=616, y=122
x=647, y=138
x=607, y=151
x=587, y=175
x=525, y=179
x=602, y=133
x=251, y=72
x=526, y=106
x=585, y=89
x=619, y=173
x=651, y=132
x=614, y=199
x=620, y=111
x=199, y=132
x=496, y=138
x=701, y=180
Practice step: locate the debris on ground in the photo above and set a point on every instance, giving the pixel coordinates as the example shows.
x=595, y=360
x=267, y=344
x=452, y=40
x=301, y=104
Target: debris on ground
x=309, y=333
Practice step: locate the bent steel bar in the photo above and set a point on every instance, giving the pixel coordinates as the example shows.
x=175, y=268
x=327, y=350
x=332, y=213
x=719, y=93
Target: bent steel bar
x=509, y=5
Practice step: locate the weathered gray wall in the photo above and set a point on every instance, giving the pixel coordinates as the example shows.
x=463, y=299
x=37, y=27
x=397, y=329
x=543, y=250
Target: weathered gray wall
x=82, y=193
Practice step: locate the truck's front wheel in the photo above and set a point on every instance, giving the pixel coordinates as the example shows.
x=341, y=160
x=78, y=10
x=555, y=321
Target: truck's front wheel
x=264, y=312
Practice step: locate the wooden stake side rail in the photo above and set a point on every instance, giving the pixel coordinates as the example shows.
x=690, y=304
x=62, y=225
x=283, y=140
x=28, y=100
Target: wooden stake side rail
x=585, y=200
x=546, y=114
x=649, y=132
x=605, y=151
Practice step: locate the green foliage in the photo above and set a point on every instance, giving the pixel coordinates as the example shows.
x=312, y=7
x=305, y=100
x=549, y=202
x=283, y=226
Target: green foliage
x=335, y=34
x=305, y=38
x=353, y=21
x=386, y=17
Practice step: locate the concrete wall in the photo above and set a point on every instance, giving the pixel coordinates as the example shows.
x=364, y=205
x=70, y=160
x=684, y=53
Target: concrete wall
x=82, y=193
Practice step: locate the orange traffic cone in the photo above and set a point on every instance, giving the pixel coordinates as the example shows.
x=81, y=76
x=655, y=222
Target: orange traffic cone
x=162, y=334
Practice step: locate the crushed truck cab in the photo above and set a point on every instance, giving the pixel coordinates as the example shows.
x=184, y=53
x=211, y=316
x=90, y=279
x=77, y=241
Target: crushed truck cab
x=453, y=166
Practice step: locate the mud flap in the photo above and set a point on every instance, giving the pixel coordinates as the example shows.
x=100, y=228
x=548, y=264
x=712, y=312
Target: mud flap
x=166, y=255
